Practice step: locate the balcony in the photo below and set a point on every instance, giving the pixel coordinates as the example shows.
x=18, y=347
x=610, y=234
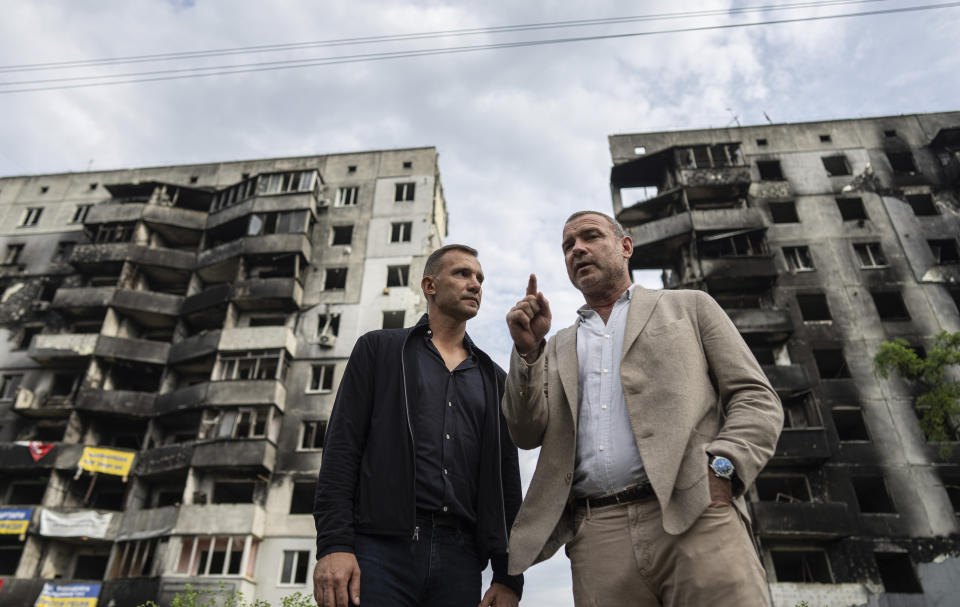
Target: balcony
x=162, y=257
x=772, y=326
x=17, y=457
x=129, y=591
x=182, y=399
x=22, y=591
x=41, y=404
x=115, y=212
x=802, y=520
x=247, y=392
x=62, y=346
x=140, y=303
x=139, y=350
x=258, y=338
x=268, y=293
x=715, y=182
x=656, y=243
x=256, y=455
x=161, y=460
x=123, y=403
x=208, y=298
x=220, y=519
x=82, y=301
x=801, y=447
x=164, y=217
x=787, y=378
x=196, y=346
x=103, y=258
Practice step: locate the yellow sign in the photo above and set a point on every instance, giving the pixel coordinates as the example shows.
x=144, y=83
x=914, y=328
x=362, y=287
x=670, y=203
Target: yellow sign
x=68, y=595
x=14, y=521
x=107, y=461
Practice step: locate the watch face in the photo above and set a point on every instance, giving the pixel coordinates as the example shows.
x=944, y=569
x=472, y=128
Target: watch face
x=722, y=466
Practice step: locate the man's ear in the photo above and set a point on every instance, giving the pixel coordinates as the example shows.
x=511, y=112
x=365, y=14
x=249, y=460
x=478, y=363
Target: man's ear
x=428, y=286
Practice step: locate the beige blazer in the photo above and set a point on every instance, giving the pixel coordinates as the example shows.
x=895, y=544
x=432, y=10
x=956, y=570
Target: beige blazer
x=691, y=387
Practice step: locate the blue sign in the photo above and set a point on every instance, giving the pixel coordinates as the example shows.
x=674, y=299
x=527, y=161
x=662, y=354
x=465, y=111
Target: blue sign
x=68, y=595
x=14, y=521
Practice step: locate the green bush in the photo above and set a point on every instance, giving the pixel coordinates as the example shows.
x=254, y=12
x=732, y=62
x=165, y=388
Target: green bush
x=191, y=597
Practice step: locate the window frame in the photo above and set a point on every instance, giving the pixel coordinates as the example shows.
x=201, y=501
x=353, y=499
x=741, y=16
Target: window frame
x=793, y=254
x=868, y=248
x=405, y=191
x=324, y=381
x=347, y=196
x=31, y=217
x=297, y=555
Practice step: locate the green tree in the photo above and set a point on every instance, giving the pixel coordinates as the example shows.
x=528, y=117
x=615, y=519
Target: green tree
x=939, y=402
x=191, y=597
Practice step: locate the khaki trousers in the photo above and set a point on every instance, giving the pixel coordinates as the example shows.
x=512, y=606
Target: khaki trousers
x=622, y=557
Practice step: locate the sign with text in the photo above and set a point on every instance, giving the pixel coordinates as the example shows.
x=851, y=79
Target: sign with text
x=86, y=523
x=14, y=521
x=107, y=461
x=68, y=595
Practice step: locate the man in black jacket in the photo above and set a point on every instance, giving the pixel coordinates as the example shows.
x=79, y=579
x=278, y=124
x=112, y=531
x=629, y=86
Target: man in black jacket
x=419, y=481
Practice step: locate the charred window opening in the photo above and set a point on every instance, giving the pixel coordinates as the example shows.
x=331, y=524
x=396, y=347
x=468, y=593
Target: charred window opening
x=134, y=559
x=64, y=384
x=341, y=235
x=852, y=209
x=227, y=232
x=715, y=156
x=944, y=251
x=922, y=204
x=830, y=363
x=335, y=278
x=234, y=492
x=872, y=495
x=741, y=243
x=9, y=384
x=10, y=550
x=800, y=412
x=347, y=196
x=268, y=321
x=321, y=378
x=836, y=166
x=826, y=139
x=902, y=163
x=134, y=377
x=404, y=192
x=784, y=212
x=282, y=222
x=897, y=573
x=301, y=500
x=793, y=488
x=311, y=435
x=890, y=305
x=274, y=266
x=393, y=319
x=770, y=170
x=743, y=300
x=850, y=425
x=870, y=255
x=799, y=259
x=11, y=255
x=114, y=232
x=26, y=335
x=767, y=355
x=762, y=143
x=328, y=324
x=352, y=168
x=90, y=566
x=24, y=491
x=400, y=231
x=63, y=252
x=804, y=566
x=398, y=276
x=48, y=431
x=813, y=307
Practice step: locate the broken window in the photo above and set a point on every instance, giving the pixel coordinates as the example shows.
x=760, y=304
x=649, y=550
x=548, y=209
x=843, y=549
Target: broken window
x=283, y=222
x=250, y=422
x=80, y=213
x=770, y=170
x=286, y=183
x=826, y=139
x=321, y=378
x=9, y=384
x=90, y=565
x=407, y=164
x=710, y=156
x=393, y=319
x=741, y=243
x=830, y=363
x=26, y=336
x=341, y=235
x=870, y=255
x=850, y=424
x=235, y=194
x=10, y=550
x=63, y=384
x=784, y=212
x=114, y=232
x=216, y=556
x=12, y=254
x=25, y=491
x=836, y=165
x=897, y=573
x=234, y=492
x=328, y=324
x=253, y=364
x=398, y=276
x=335, y=278
x=295, y=566
x=134, y=559
x=944, y=251
x=792, y=488
x=352, y=168
x=852, y=209
x=346, y=197
x=890, y=305
x=311, y=435
x=800, y=412
x=813, y=307
x=922, y=204
x=404, y=192
x=902, y=163
x=799, y=259
x=301, y=499
x=63, y=251
x=804, y=566
x=872, y=496
x=400, y=231
x=268, y=321
x=31, y=216
x=762, y=143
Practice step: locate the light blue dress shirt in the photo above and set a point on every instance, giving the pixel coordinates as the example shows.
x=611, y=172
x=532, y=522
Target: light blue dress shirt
x=607, y=456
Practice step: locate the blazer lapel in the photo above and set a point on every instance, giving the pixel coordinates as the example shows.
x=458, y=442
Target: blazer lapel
x=568, y=368
x=642, y=303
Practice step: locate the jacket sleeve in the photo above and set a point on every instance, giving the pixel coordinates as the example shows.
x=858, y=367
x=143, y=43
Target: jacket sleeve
x=512, y=496
x=752, y=413
x=525, y=400
x=342, y=451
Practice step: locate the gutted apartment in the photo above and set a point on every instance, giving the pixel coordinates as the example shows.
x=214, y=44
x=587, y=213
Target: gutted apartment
x=821, y=240
x=170, y=343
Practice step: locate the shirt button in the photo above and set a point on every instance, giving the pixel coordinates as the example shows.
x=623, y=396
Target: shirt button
x=601, y=447
x=607, y=336
x=445, y=508
x=448, y=437
x=429, y=333
x=444, y=470
x=449, y=404
x=604, y=407
x=606, y=370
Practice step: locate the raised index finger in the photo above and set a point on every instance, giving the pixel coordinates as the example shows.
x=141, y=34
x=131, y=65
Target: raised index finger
x=532, y=285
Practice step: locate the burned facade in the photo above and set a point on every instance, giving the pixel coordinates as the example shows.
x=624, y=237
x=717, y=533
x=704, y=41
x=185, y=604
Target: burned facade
x=821, y=240
x=172, y=339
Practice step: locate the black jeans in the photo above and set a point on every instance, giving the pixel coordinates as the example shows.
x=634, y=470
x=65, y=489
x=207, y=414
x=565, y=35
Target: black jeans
x=439, y=569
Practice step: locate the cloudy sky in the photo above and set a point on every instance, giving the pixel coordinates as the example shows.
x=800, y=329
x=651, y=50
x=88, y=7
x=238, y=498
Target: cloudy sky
x=521, y=132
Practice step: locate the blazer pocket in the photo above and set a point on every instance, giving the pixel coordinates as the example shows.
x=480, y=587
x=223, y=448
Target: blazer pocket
x=674, y=325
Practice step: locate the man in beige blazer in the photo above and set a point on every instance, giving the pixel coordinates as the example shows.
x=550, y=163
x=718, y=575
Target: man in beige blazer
x=653, y=417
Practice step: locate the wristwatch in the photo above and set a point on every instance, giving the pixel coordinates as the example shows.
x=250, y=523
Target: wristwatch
x=722, y=467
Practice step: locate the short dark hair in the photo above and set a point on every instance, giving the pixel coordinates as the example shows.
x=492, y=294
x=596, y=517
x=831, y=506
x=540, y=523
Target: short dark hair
x=618, y=230
x=433, y=264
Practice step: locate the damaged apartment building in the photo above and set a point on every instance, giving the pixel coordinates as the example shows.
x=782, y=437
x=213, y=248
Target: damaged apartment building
x=821, y=240
x=171, y=341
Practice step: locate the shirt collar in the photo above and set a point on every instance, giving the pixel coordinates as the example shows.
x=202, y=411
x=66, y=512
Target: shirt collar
x=585, y=310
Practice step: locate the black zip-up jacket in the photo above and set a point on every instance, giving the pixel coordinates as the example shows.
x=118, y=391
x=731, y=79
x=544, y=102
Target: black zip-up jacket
x=366, y=482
